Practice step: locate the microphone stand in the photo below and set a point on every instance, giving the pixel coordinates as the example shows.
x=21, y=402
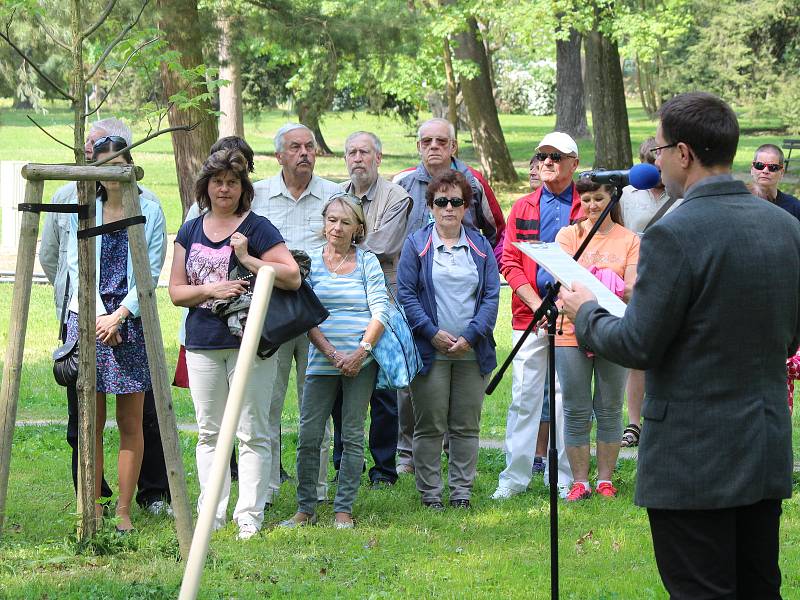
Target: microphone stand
x=549, y=311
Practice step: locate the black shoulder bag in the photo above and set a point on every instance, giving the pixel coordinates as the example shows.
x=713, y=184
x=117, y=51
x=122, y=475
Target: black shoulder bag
x=65, y=357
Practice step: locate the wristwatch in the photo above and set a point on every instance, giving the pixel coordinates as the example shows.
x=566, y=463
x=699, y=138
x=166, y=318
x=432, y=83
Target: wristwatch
x=365, y=345
x=121, y=320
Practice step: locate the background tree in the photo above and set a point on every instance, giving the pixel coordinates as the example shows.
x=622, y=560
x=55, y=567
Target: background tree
x=570, y=102
x=190, y=103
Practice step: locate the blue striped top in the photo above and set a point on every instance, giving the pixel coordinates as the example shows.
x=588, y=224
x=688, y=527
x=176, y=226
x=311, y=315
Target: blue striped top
x=350, y=304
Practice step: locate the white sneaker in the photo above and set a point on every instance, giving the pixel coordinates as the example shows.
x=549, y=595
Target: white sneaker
x=503, y=493
x=159, y=508
x=247, y=530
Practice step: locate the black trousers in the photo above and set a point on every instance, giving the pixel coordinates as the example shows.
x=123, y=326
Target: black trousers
x=153, y=484
x=729, y=554
x=382, y=434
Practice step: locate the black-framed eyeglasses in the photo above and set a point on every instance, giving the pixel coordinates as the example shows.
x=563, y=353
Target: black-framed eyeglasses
x=554, y=156
x=442, y=201
x=772, y=167
x=657, y=150
x=109, y=139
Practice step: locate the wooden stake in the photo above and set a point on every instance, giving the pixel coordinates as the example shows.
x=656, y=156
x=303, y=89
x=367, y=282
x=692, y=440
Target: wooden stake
x=20, y=305
x=145, y=288
x=230, y=419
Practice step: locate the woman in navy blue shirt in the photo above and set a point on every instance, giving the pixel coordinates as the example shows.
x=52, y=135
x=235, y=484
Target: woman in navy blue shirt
x=203, y=250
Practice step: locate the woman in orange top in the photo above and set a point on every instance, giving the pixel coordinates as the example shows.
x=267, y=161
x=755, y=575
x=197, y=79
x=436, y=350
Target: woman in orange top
x=612, y=255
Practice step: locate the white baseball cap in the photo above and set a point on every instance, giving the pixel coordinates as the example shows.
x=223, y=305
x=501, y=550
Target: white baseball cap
x=560, y=141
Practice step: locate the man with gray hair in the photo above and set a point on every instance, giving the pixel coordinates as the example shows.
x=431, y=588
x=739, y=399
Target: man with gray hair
x=386, y=207
x=767, y=170
x=437, y=147
x=153, y=486
x=293, y=201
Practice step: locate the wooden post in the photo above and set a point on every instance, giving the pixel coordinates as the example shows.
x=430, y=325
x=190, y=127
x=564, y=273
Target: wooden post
x=145, y=288
x=20, y=305
x=230, y=420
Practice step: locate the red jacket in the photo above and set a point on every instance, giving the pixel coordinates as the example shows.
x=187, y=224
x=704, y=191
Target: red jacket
x=522, y=225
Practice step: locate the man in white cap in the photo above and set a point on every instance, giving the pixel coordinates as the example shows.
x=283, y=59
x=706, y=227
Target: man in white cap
x=536, y=217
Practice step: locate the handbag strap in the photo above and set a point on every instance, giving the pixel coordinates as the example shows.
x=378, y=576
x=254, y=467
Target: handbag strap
x=661, y=212
x=61, y=333
x=387, y=287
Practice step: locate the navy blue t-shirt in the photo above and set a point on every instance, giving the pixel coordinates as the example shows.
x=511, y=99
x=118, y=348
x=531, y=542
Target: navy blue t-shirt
x=208, y=262
x=788, y=203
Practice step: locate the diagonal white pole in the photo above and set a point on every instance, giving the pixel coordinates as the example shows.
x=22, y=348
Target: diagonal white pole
x=230, y=420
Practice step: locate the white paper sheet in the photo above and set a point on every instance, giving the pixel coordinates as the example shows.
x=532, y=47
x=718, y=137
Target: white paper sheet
x=552, y=258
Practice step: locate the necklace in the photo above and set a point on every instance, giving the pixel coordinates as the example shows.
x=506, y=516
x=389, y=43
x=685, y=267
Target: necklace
x=335, y=272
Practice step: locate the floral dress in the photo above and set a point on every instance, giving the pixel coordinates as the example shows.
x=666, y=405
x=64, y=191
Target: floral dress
x=121, y=369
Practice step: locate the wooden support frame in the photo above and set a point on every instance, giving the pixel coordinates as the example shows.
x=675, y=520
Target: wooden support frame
x=36, y=175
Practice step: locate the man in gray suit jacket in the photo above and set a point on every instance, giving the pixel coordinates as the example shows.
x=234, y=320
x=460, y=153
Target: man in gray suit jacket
x=714, y=314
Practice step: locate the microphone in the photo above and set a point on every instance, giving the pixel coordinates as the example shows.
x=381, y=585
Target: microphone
x=642, y=176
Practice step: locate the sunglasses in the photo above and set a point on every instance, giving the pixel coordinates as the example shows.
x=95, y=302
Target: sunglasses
x=773, y=168
x=554, y=156
x=110, y=139
x=442, y=201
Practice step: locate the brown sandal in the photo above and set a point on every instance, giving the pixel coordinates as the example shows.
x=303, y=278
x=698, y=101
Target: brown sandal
x=630, y=436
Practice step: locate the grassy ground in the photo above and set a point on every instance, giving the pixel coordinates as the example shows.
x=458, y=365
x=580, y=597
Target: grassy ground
x=398, y=549
x=20, y=140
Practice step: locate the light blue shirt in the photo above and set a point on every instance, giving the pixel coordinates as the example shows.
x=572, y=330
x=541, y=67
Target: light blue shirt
x=455, y=287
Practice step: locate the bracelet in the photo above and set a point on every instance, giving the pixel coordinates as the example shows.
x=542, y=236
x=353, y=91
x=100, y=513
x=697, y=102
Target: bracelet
x=332, y=355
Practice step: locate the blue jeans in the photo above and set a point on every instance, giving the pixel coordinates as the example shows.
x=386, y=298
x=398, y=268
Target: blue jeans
x=319, y=396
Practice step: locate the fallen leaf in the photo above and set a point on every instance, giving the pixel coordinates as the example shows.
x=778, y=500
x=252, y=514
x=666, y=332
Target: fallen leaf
x=615, y=546
x=323, y=572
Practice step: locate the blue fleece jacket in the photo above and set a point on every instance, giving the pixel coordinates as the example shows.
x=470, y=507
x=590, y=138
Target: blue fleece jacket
x=415, y=287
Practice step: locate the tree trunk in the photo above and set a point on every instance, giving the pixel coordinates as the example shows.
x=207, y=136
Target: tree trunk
x=310, y=118
x=87, y=381
x=179, y=21
x=612, y=138
x=452, y=91
x=570, y=102
x=484, y=123
x=231, y=122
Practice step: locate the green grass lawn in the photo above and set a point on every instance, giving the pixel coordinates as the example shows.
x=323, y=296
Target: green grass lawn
x=20, y=140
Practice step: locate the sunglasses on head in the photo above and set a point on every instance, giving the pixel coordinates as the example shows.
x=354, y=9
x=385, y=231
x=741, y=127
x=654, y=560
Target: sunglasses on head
x=554, y=156
x=109, y=139
x=442, y=201
x=773, y=168
x=346, y=196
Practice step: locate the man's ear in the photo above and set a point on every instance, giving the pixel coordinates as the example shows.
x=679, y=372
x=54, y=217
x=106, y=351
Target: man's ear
x=687, y=155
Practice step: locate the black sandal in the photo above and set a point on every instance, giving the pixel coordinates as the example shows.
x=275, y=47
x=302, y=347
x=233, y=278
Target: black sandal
x=630, y=436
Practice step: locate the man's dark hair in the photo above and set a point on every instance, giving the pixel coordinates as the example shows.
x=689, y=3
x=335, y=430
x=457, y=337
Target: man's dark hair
x=222, y=161
x=769, y=148
x=237, y=143
x=705, y=123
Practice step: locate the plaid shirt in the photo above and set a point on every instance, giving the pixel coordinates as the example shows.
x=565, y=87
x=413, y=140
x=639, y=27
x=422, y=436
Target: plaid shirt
x=299, y=221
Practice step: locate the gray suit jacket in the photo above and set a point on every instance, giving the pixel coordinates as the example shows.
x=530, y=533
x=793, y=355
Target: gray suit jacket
x=714, y=314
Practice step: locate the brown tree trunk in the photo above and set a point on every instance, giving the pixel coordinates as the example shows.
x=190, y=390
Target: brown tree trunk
x=231, y=121
x=179, y=21
x=484, y=122
x=452, y=91
x=612, y=138
x=310, y=118
x=570, y=102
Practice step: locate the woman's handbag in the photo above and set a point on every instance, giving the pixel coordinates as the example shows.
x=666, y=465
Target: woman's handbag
x=289, y=314
x=65, y=357
x=396, y=353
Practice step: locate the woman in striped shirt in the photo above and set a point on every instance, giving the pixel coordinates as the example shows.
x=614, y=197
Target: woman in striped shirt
x=350, y=283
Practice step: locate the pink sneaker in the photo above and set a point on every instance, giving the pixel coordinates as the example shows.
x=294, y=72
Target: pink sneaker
x=607, y=490
x=579, y=491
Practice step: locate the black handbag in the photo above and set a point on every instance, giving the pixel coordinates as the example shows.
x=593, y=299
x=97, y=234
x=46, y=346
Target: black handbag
x=290, y=313
x=65, y=357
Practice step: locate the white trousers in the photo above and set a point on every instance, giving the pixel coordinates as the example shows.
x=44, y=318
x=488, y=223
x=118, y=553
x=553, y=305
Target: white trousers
x=529, y=369
x=210, y=376
x=296, y=349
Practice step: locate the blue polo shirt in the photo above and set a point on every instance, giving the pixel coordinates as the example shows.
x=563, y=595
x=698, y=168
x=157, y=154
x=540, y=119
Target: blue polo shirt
x=554, y=212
